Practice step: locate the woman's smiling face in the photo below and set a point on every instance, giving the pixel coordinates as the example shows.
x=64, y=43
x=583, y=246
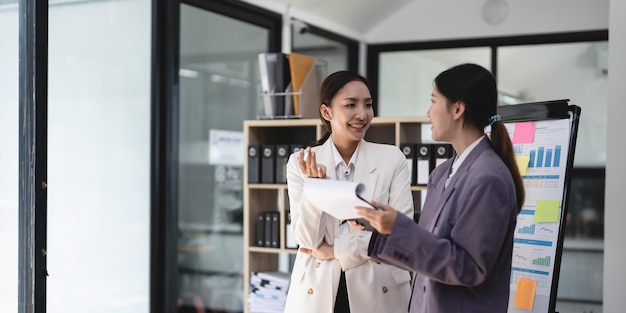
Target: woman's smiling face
x=350, y=113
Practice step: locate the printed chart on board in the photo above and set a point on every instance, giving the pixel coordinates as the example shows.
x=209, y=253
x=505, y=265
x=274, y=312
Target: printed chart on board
x=541, y=149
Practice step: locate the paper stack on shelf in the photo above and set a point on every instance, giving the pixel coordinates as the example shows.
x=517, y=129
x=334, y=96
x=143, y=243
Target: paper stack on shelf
x=268, y=291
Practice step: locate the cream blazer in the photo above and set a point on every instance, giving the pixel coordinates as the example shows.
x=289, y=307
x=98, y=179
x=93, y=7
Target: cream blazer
x=372, y=286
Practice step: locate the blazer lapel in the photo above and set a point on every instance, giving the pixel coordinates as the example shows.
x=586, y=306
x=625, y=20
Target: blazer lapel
x=365, y=169
x=437, y=197
x=440, y=203
x=442, y=193
x=324, y=155
x=469, y=160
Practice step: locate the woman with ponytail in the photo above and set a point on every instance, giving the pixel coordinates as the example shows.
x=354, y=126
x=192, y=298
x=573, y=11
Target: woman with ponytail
x=461, y=249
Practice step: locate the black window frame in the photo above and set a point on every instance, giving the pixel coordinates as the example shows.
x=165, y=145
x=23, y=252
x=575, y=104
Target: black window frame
x=374, y=50
x=33, y=155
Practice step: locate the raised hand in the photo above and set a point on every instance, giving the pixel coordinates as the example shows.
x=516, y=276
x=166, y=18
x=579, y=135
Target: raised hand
x=308, y=164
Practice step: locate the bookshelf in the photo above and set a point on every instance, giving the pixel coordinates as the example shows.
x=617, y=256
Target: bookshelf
x=260, y=197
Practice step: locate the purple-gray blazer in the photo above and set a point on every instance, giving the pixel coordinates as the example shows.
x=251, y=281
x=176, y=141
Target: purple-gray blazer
x=460, y=251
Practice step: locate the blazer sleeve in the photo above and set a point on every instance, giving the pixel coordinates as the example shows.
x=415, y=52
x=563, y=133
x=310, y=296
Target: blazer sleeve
x=475, y=240
x=307, y=221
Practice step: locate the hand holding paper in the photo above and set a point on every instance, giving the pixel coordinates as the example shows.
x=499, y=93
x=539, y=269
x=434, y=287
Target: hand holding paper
x=336, y=197
x=382, y=219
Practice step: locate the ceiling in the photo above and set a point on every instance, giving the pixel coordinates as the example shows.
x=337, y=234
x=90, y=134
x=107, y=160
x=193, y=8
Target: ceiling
x=392, y=21
x=359, y=15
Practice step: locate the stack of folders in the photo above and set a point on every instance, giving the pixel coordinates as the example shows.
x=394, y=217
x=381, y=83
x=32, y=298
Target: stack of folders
x=267, y=231
x=422, y=158
x=268, y=291
x=267, y=163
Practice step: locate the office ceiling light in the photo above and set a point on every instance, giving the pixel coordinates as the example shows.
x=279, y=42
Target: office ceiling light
x=495, y=11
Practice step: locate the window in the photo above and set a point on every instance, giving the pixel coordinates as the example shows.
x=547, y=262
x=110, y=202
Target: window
x=406, y=77
x=219, y=75
x=99, y=156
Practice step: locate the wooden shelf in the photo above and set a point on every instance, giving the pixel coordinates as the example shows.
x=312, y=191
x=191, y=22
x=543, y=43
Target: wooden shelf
x=272, y=250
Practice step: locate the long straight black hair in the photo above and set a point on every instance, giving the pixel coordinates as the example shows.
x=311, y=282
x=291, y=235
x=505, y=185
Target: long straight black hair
x=476, y=87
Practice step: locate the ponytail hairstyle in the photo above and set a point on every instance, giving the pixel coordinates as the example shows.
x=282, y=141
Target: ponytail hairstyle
x=328, y=90
x=476, y=87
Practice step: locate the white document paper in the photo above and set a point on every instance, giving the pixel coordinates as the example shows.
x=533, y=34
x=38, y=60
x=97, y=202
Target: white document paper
x=336, y=197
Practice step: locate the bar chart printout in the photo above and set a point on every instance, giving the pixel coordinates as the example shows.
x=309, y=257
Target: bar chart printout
x=545, y=261
x=545, y=157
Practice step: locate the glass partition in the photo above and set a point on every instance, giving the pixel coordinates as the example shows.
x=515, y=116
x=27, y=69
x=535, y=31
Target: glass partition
x=99, y=156
x=9, y=152
x=218, y=91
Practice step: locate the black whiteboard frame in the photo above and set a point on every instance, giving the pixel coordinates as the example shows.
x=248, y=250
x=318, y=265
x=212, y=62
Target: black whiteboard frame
x=549, y=110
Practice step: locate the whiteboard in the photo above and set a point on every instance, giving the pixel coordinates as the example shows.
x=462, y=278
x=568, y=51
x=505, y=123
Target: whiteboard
x=544, y=140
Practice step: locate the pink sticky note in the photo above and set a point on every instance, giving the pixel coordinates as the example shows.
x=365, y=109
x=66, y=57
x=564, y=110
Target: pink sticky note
x=524, y=132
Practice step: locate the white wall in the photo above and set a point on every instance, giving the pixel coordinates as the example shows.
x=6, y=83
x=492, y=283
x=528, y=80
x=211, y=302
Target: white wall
x=615, y=214
x=451, y=19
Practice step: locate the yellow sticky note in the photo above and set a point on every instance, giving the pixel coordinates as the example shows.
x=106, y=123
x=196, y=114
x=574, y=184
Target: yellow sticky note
x=522, y=163
x=525, y=295
x=547, y=211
